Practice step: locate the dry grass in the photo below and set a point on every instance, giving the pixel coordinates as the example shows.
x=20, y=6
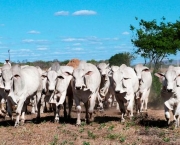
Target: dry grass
x=105, y=130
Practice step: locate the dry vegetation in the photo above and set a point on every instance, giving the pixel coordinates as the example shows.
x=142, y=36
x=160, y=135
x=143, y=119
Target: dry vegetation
x=105, y=130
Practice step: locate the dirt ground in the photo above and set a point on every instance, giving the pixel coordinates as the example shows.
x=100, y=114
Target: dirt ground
x=144, y=129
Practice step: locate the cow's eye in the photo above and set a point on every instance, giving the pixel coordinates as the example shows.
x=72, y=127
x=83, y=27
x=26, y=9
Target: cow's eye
x=126, y=78
x=16, y=76
x=60, y=77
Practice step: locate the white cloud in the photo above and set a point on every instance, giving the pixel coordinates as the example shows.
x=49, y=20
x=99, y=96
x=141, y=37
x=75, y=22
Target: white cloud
x=125, y=33
x=25, y=50
x=77, y=49
x=27, y=40
x=73, y=39
x=61, y=13
x=35, y=41
x=33, y=32
x=2, y=25
x=84, y=12
x=77, y=44
x=42, y=48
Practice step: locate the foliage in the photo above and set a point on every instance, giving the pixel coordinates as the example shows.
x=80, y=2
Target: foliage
x=156, y=41
x=121, y=58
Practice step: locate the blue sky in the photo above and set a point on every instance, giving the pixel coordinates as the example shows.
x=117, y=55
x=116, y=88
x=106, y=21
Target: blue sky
x=65, y=29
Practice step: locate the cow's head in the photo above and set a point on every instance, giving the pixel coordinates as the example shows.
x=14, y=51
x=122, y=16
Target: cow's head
x=168, y=78
x=117, y=76
x=51, y=80
x=79, y=77
x=64, y=77
x=7, y=77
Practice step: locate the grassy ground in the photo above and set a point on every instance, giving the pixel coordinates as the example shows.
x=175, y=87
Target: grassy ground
x=106, y=129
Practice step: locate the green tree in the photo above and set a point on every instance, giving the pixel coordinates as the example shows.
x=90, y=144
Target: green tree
x=92, y=61
x=155, y=41
x=121, y=58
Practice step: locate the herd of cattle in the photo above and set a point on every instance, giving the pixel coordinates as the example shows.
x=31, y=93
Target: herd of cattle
x=99, y=85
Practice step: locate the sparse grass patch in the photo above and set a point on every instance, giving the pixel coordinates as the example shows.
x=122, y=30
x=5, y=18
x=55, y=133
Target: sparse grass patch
x=166, y=139
x=83, y=123
x=55, y=140
x=91, y=135
x=111, y=128
x=81, y=130
x=86, y=143
x=64, y=142
x=102, y=125
x=112, y=136
x=120, y=137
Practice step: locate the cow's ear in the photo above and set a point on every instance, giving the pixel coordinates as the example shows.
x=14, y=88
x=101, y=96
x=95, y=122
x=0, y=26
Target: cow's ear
x=107, y=66
x=89, y=73
x=159, y=75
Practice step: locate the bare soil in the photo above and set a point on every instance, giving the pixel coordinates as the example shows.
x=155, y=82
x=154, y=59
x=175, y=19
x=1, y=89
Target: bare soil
x=144, y=129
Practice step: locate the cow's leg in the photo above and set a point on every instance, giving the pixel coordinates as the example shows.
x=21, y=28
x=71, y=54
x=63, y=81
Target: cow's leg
x=23, y=114
x=138, y=105
x=87, y=113
x=56, y=112
x=167, y=114
x=9, y=109
x=78, y=109
x=122, y=109
x=65, y=112
x=176, y=121
x=38, y=104
x=2, y=110
x=70, y=104
x=42, y=104
x=3, y=102
x=33, y=104
x=18, y=111
x=92, y=102
x=146, y=99
x=130, y=108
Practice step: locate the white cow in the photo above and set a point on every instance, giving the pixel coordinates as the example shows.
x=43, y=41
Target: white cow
x=20, y=84
x=2, y=96
x=106, y=91
x=85, y=85
x=40, y=93
x=62, y=89
x=49, y=81
x=171, y=92
x=145, y=80
x=126, y=85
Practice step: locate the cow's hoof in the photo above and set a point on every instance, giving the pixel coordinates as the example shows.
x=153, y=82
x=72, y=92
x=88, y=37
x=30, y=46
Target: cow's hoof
x=56, y=120
x=41, y=111
x=33, y=112
x=22, y=122
x=122, y=120
x=78, y=122
x=16, y=124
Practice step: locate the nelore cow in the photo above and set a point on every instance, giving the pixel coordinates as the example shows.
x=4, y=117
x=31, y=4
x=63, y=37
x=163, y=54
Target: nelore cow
x=2, y=96
x=126, y=85
x=106, y=91
x=85, y=85
x=145, y=80
x=20, y=84
x=62, y=89
x=170, y=92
